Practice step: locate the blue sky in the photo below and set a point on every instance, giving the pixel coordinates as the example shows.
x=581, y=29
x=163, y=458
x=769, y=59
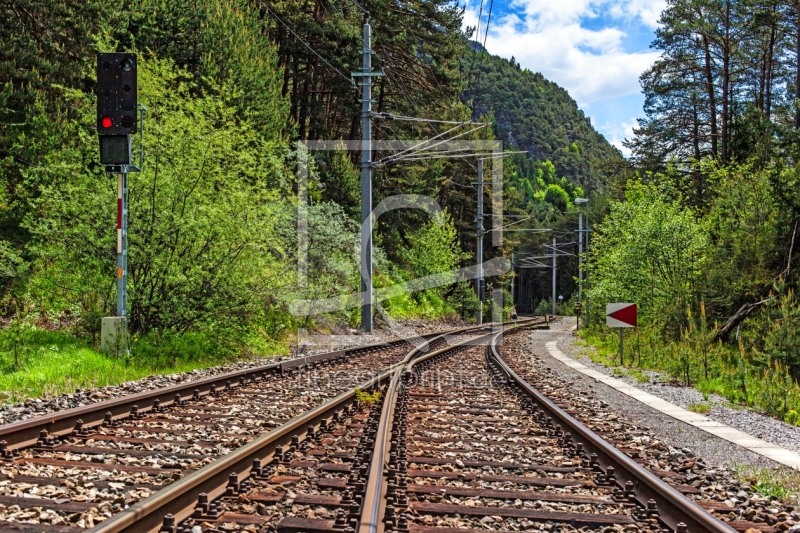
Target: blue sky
x=596, y=49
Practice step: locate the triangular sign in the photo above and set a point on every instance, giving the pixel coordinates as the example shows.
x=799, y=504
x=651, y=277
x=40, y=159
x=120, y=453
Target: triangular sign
x=626, y=314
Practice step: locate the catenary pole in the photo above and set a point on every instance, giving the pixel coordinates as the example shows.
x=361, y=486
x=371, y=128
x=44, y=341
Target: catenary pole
x=479, y=254
x=366, y=181
x=586, y=322
x=580, y=260
x=554, y=277
x=513, y=304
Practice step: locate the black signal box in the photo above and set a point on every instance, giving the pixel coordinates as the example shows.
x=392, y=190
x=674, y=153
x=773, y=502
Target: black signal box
x=116, y=94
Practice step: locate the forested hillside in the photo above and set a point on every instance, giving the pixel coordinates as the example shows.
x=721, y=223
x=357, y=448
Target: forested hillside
x=231, y=86
x=536, y=115
x=704, y=237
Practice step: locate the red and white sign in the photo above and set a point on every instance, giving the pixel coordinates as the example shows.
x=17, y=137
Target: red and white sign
x=621, y=315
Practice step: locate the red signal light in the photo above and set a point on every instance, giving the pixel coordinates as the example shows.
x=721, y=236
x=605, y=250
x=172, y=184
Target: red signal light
x=106, y=122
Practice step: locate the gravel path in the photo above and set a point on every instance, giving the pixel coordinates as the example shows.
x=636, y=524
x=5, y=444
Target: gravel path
x=41, y=406
x=715, y=451
x=742, y=418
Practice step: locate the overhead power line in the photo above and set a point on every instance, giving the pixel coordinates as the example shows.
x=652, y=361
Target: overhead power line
x=391, y=116
x=348, y=78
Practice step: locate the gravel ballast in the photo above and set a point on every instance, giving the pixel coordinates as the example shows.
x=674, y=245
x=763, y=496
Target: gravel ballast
x=41, y=406
x=716, y=451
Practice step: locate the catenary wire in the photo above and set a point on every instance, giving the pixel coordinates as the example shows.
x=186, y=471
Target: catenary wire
x=349, y=80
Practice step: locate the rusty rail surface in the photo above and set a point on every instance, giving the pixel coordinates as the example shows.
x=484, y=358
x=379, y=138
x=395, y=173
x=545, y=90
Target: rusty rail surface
x=374, y=502
x=166, y=509
x=674, y=510
x=25, y=433
x=677, y=511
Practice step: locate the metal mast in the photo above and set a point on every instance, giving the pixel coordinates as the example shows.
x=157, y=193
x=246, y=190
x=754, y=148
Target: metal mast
x=554, y=278
x=479, y=254
x=366, y=181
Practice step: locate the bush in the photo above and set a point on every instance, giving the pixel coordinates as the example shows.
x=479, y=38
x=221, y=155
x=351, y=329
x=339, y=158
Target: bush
x=206, y=246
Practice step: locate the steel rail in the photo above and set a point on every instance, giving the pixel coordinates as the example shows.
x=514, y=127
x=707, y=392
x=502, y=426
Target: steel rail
x=673, y=507
x=24, y=433
x=179, y=499
x=373, y=505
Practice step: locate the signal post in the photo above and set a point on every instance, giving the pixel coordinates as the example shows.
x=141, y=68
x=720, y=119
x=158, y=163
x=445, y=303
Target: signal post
x=117, y=118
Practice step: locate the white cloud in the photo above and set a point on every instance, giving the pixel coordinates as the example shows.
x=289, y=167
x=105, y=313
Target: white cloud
x=648, y=11
x=617, y=132
x=546, y=36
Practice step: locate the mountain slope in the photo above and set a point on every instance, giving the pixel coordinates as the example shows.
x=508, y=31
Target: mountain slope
x=538, y=116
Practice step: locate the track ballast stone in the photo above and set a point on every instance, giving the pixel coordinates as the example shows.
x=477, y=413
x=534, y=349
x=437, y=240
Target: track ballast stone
x=639, y=432
x=34, y=407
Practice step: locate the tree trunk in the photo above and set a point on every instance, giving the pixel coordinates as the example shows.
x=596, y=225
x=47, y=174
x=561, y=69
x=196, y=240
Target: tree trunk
x=797, y=63
x=726, y=80
x=770, y=69
x=744, y=311
x=712, y=100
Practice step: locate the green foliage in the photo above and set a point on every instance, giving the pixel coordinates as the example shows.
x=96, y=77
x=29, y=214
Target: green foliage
x=204, y=233
x=782, y=484
x=433, y=249
x=367, y=400
x=709, y=224
x=50, y=363
x=536, y=115
x=557, y=197
x=464, y=300
x=213, y=238
x=701, y=408
x=742, y=374
x=221, y=44
x=649, y=250
x=544, y=307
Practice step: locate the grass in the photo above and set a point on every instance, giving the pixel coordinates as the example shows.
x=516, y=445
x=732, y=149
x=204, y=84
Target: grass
x=603, y=355
x=50, y=363
x=700, y=408
x=779, y=483
x=744, y=377
x=639, y=376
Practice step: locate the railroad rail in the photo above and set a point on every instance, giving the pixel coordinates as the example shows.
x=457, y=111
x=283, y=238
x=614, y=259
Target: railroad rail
x=446, y=437
x=325, y=449
x=82, y=465
x=468, y=444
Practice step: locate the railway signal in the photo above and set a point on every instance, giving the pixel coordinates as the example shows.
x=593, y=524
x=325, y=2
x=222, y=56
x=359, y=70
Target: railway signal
x=118, y=117
x=621, y=315
x=116, y=94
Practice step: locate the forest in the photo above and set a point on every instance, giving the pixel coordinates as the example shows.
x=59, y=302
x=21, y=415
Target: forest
x=233, y=88
x=703, y=230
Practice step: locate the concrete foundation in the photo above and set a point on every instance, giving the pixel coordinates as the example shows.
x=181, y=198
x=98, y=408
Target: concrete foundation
x=114, y=335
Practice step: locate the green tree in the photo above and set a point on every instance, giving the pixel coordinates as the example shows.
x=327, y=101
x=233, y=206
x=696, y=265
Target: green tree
x=433, y=248
x=557, y=197
x=206, y=247
x=649, y=250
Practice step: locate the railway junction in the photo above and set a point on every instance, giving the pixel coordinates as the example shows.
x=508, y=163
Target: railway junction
x=458, y=431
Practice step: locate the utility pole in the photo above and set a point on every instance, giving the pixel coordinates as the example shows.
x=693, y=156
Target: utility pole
x=585, y=203
x=366, y=76
x=580, y=261
x=479, y=254
x=554, y=277
x=586, y=322
x=513, y=304
x=580, y=253
x=122, y=243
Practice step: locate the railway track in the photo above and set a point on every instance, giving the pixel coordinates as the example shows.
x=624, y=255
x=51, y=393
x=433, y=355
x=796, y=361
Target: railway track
x=469, y=445
x=76, y=468
x=448, y=437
